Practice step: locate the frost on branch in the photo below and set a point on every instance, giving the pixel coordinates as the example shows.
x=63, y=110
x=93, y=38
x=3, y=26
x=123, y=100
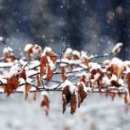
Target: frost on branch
x=75, y=74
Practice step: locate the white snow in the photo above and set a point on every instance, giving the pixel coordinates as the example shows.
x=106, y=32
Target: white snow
x=117, y=61
x=46, y=49
x=14, y=69
x=72, y=87
x=1, y=39
x=76, y=53
x=28, y=46
x=114, y=77
x=106, y=81
x=96, y=76
x=7, y=49
x=68, y=50
x=117, y=48
x=84, y=55
x=121, y=82
x=93, y=66
x=44, y=93
x=106, y=62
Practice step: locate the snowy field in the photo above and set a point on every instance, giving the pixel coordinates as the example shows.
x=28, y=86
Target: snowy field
x=96, y=113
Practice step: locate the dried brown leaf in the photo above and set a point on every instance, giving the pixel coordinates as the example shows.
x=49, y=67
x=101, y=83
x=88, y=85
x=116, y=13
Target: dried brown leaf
x=43, y=62
x=27, y=90
x=45, y=104
x=81, y=94
x=12, y=85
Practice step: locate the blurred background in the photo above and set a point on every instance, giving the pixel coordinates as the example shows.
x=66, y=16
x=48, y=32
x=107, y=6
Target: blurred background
x=91, y=25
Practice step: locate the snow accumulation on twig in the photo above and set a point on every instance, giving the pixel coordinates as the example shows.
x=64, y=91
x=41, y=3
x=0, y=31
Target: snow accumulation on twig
x=72, y=73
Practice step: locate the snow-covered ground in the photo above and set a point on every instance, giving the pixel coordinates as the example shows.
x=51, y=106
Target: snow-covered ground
x=96, y=113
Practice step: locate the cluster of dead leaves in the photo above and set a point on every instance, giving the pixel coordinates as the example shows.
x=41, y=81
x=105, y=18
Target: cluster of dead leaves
x=12, y=85
x=47, y=61
x=74, y=98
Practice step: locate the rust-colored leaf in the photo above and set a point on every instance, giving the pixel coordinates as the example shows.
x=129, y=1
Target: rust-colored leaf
x=39, y=83
x=22, y=74
x=49, y=73
x=45, y=104
x=73, y=102
x=115, y=83
x=81, y=94
x=12, y=85
x=84, y=79
x=43, y=62
x=30, y=52
x=27, y=90
x=66, y=97
x=69, y=98
x=76, y=57
x=54, y=58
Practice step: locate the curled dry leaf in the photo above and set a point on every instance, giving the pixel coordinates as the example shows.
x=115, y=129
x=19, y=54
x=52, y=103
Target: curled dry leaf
x=82, y=94
x=84, y=79
x=68, y=54
x=27, y=90
x=49, y=73
x=115, y=83
x=45, y=103
x=73, y=102
x=31, y=50
x=22, y=74
x=38, y=79
x=43, y=62
x=66, y=97
x=69, y=98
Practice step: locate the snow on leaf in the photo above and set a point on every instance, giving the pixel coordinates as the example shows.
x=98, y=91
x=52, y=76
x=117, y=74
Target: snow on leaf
x=76, y=55
x=117, y=48
x=68, y=53
x=27, y=47
x=117, y=67
x=84, y=58
x=70, y=85
x=84, y=78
